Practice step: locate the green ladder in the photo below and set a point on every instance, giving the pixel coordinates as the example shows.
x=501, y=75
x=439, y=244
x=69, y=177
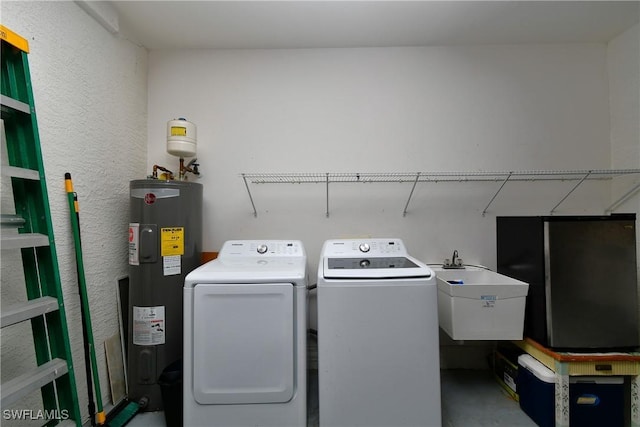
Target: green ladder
x=30, y=230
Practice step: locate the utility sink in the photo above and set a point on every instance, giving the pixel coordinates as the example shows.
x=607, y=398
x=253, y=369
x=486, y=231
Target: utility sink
x=479, y=304
x=473, y=280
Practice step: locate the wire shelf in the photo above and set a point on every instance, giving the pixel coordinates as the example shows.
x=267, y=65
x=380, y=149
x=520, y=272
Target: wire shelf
x=503, y=177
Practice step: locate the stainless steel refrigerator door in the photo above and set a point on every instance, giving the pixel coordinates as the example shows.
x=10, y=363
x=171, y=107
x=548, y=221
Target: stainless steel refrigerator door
x=591, y=284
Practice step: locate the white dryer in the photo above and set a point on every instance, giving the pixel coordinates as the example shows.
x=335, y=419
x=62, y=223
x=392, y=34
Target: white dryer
x=245, y=329
x=378, y=346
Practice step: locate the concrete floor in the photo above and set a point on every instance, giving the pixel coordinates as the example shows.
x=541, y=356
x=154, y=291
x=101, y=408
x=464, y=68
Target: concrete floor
x=473, y=398
x=470, y=398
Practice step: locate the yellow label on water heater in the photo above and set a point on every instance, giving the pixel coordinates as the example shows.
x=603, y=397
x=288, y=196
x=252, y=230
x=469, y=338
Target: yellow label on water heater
x=178, y=131
x=172, y=241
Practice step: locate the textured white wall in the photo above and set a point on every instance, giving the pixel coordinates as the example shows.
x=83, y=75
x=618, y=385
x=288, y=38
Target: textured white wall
x=91, y=103
x=377, y=110
x=386, y=110
x=623, y=66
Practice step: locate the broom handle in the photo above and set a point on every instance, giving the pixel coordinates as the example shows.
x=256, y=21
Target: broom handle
x=84, y=300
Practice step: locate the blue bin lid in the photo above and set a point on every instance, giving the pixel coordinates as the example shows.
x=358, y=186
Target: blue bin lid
x=536, y=368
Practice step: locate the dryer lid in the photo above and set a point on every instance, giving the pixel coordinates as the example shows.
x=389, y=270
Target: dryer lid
x=250, y=270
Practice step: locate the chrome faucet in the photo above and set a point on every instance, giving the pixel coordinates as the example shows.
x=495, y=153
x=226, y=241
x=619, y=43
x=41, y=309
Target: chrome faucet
x=455, y=262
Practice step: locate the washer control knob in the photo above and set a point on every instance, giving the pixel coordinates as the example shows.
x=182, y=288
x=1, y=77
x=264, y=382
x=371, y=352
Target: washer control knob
x=364, y=247
x=262, y=249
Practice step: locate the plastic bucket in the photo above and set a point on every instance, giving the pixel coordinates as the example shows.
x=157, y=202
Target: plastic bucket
x=170, y=382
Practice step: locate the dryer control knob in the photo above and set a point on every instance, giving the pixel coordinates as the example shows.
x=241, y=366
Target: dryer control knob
x=364, y=247
x=262, y=249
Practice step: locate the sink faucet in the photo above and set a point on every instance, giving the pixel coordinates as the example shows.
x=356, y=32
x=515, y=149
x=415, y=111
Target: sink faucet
x=455, y=262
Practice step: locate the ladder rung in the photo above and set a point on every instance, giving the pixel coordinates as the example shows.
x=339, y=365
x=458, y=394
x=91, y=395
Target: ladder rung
x=24, y=240
x=23, y=385
x=15, y=172
x=11, y=221
x=10, y=104
x=22, y=311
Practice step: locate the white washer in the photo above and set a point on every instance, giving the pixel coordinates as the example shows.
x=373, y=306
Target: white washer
x=378, y=349
x=245, y=329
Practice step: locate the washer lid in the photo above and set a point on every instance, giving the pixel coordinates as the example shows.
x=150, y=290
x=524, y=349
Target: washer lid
x=374, y=268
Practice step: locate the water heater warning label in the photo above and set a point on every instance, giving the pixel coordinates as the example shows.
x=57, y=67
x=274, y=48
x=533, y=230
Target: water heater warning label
x=172, y=241
x=134, y=244
x=171, y=265
x=148, y=325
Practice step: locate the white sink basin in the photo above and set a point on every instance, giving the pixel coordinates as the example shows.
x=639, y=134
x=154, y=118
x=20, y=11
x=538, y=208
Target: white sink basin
x=479, y=304
x=474, y=281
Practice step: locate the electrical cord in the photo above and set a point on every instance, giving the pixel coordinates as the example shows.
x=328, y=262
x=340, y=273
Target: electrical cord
x=466, y=265
x=479, y=266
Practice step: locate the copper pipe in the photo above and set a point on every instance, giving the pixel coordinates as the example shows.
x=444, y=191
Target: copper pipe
x=163, y=169
x=186, y=169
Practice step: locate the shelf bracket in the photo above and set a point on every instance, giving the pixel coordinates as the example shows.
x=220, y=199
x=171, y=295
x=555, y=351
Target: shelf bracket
x=570, y=191
x=497, y=192
x=246, y=184
x=404, y=212
x=626, y=196
x=327, y=179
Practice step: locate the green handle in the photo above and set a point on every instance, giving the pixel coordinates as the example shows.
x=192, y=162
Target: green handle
x=82, y=285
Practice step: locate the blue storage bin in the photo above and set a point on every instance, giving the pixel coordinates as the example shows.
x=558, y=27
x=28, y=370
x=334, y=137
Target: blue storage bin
x=594, y=401
x=536, y=388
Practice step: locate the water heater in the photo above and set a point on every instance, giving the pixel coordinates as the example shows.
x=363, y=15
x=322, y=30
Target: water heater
x=165, y=243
